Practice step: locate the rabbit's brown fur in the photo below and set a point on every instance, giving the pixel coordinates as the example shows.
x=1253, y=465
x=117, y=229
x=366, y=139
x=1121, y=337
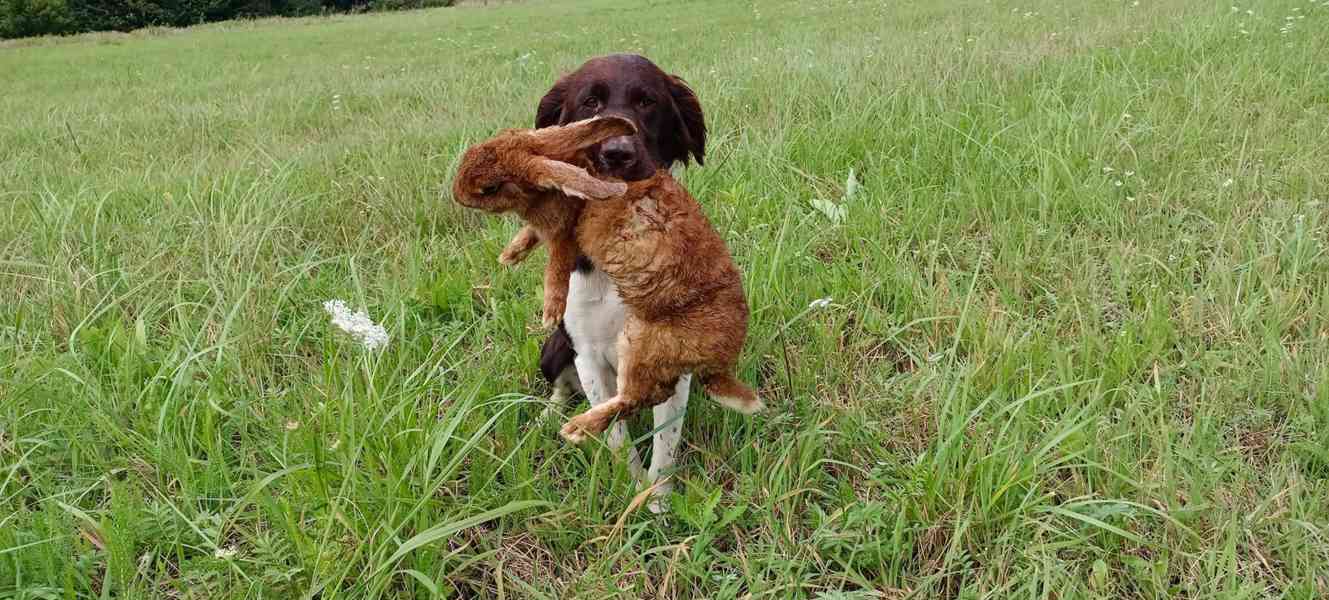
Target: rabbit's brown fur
x=524, y=172
x=684, y=295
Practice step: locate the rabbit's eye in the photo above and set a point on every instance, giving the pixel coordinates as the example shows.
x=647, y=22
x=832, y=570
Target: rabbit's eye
x=489, y=190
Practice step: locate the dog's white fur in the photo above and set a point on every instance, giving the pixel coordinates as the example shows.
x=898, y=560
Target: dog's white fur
x=594, y=319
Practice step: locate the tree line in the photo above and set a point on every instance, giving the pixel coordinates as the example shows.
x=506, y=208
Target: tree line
x=24, y=18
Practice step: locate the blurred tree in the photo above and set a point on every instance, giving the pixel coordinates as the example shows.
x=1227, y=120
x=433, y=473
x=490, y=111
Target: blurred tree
x=22, y=18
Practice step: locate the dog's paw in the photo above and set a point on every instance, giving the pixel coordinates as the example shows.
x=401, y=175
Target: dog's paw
x=659, y=503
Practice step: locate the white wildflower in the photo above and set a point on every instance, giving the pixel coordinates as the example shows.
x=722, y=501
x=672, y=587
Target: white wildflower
x=820, y=302
x=224, y=553
x=357, y=324
x=1228, y=182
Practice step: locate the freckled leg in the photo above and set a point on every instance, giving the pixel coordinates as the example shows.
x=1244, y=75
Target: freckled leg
x=669, y=426
x=617, y=437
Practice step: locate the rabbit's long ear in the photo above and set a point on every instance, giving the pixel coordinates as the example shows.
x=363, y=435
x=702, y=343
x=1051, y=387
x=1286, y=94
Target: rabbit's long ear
x=566, y=140
x=573, y=180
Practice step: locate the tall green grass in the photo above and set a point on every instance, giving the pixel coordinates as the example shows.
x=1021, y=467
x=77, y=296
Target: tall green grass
x=1076, y=343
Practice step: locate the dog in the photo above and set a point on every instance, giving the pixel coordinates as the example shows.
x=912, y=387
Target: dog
x=684, y=295
x=581, y=356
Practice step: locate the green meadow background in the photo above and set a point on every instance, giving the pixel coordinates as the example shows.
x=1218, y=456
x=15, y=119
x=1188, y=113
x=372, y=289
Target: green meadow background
x=1077, y=341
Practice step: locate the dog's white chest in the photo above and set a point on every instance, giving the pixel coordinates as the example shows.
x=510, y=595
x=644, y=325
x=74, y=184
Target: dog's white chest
x=594, y=316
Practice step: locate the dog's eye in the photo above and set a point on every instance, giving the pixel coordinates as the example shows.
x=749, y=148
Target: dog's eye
x=591, y=103
x=489, y=190
x=646, y=102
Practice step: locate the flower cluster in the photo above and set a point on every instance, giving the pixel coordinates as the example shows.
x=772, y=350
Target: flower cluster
x=357, y=324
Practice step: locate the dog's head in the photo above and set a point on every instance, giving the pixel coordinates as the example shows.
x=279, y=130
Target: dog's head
x=506, y=172
x=670, y=126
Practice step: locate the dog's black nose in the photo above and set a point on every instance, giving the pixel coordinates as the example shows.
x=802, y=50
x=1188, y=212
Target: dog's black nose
x=618, y=153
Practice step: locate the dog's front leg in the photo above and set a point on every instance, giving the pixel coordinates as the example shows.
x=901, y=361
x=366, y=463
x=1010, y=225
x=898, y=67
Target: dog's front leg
x=600, y=384
x=664, y=453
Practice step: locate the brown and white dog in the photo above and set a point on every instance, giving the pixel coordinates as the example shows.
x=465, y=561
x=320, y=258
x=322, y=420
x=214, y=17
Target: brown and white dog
x=581, y=354
x=686, y=310
x=684, y=295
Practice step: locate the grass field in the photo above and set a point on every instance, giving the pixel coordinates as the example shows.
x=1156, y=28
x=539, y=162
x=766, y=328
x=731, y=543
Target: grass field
x=1077, y=344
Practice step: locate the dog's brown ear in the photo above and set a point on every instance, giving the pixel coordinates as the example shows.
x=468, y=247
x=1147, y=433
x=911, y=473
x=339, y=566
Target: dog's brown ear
x=573, y=180
x=550, y=110
x=566, y=140
x=691, y=124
